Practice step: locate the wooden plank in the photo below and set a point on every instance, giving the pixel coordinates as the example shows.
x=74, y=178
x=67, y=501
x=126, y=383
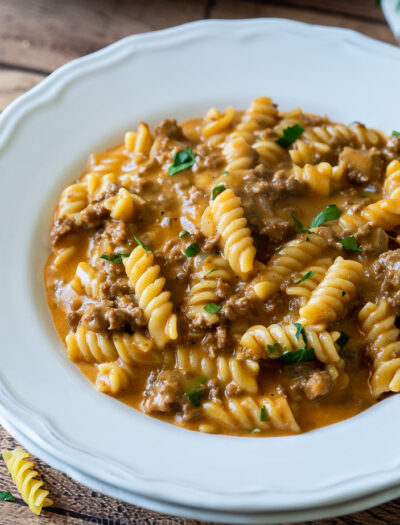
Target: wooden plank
x=75, y=499
x=14, y=83
x=253, y=9
x=367, y=9
x=15, y=514
x=43, y=34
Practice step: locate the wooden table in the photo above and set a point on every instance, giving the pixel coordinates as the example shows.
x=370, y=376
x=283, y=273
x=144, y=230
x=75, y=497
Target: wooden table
x=36, y=37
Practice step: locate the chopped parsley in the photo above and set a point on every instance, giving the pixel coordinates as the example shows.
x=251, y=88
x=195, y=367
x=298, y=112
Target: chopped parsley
x=212, y=271
x=343, y=340
x=300, y=331
x=255, y=430
x=305, y=277
x=350, y=243
x=290, y=135
x=194, y=394
x=264, y=416
x=140, y=243
x=114, y=257
x=225, y=172
x=275, y=348
x=182, y=160
x=343, y=293
x=6, y=496
x=191, y=250
x=212, y=308
x=298, y=356
x=298, y=225
x=183, y=233
x=330, y=213
x=396, y=133
x=219, y=188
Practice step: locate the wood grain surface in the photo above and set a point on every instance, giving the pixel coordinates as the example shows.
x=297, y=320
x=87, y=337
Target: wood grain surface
x=37, y=36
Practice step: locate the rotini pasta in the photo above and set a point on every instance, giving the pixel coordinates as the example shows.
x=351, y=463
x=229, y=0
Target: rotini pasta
x=313, y=276
x=144, y=278
x=25, y=479
x=378, y=324
x=258, y=339
x=292, y=258
x=334, y=292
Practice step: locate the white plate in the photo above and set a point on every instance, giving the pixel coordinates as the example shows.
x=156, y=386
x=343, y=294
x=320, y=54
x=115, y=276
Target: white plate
x=45, y=138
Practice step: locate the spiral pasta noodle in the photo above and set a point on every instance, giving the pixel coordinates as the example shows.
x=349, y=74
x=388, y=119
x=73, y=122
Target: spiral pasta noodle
x=269, y=151
x=153, y=300
x=260, y=115
x=384, y=213
x=302, y=153
x=257, y=337
x=391, y=186
x=85, y=280
x=334, y=292
x=239, y=155
x=24, y=477
x=216, y=125
x=355, y=133
x=243, y=413
x=204, y=285
x=226, y=369
x=139, y=142
x=92, y=347
x=73, y=200
x=113, y=378
x=318, y=178
x=304, y=289
x=238, y=245
x=124, y=205
x=377, y=322
x=292, y=258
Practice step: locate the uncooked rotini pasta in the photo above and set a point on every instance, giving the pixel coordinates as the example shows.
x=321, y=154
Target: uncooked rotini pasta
x=237, y=273
x=25, y=479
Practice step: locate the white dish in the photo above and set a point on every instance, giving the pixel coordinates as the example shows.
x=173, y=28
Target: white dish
x=45, y=138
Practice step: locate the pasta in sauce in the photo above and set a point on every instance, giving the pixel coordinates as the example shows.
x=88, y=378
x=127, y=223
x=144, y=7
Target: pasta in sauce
x=237, y=273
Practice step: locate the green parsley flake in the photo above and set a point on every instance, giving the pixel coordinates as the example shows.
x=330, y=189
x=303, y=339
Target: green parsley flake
x=212, y=308
x=183, y=233
x=6, y=496
x=194, y=394
x=219, y=188
x=224, y=173
x=305, y=277
x=276, y=348
x=140, y=243
x=300, y=331
x=191, y=250
x=182, y=160
x=298, y=356
x=343, y=340
x=212, y=271
x=299, y=227
x=114, y=257
x=264, y=416
x=343, y=293
x=396, y=133
x=290, y=135
x=330, y=213
x=350, y=243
